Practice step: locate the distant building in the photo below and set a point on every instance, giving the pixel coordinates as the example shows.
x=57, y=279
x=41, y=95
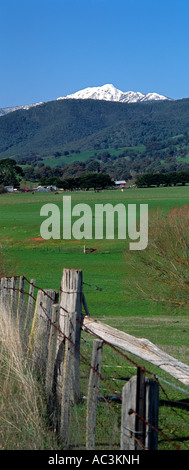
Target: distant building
x=121, y=183
x=9, y=189
x=40, y=188
x=45, y=188
x=51, y=188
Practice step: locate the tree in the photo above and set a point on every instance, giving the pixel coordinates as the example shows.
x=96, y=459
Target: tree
x=93, y=166
x=57, y=154
x=95, y=180
x=10, y=172
x=29, y=173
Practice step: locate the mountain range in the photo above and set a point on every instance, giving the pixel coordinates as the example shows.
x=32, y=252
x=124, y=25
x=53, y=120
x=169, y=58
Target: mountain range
x=4, y=111
x=109, y=93
x=106, y=93
x=103, y=121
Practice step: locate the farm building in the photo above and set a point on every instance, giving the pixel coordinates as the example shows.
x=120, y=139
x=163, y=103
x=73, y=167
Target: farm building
x=9, y=189
x=44, y=188
x=121, y=183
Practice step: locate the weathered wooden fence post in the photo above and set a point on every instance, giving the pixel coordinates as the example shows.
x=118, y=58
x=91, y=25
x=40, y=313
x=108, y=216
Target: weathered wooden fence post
x=2, y=290
x=152, y=411
x=40, y=332
x=9, y=292
x=52, y=348
x=140, y=398
x=67, y=364
x=128, y=419
x=140, y=410
x=14, y=297
x=6, y=294
x=93, y=390
x=29, y=311
x=71, y=296
x=20, y=307
x=69, y=379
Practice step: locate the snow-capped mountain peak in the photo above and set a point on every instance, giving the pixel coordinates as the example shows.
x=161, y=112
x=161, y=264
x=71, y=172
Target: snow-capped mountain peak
x=108, y=92
x=105, y=92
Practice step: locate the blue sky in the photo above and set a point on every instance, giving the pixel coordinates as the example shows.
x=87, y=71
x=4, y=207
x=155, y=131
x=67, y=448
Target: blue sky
x=50, y=48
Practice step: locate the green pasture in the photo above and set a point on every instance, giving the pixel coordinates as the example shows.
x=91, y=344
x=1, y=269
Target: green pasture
x=106, y=271
x=109, y=286
x=83, y=156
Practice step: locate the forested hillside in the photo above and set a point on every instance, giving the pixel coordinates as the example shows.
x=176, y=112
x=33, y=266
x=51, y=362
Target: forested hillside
x=82, y=125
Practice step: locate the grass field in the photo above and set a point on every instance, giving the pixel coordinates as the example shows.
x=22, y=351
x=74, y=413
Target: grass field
x=108, y=268
x=83, y=156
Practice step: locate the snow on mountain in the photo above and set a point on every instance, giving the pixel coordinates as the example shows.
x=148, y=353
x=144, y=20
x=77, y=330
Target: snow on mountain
x=4, y=111
x=106, y=92
x=109, y=93
x=154, y=97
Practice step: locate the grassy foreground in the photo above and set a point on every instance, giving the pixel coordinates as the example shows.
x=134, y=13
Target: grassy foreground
x=23, y=416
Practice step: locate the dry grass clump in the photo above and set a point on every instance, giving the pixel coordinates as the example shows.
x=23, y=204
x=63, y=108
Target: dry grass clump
x=22, y=405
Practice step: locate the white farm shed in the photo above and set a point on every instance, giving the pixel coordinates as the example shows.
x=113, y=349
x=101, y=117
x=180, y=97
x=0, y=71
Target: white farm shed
x=121, y=183
x=45, y=188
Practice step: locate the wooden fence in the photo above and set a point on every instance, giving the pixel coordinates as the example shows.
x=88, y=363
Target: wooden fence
x=50, y=325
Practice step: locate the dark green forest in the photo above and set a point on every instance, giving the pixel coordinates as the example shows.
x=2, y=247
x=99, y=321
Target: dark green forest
x=89, y=125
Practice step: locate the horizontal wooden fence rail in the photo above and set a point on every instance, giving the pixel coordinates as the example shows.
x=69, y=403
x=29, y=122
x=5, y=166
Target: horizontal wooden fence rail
x=139, y=347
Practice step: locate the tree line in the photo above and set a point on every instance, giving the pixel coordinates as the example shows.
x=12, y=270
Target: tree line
x=163, y=179
x=11, y=174
x=90, y=180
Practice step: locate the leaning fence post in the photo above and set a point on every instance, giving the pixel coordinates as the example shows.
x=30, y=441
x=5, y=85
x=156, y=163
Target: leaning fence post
x=52, y=347
x=39, y=336
x=6, y=294
x=3, y=291
x=93, y=389
x=69, y=392
x=21, y=298
x=14, y=297
x=29, y=310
